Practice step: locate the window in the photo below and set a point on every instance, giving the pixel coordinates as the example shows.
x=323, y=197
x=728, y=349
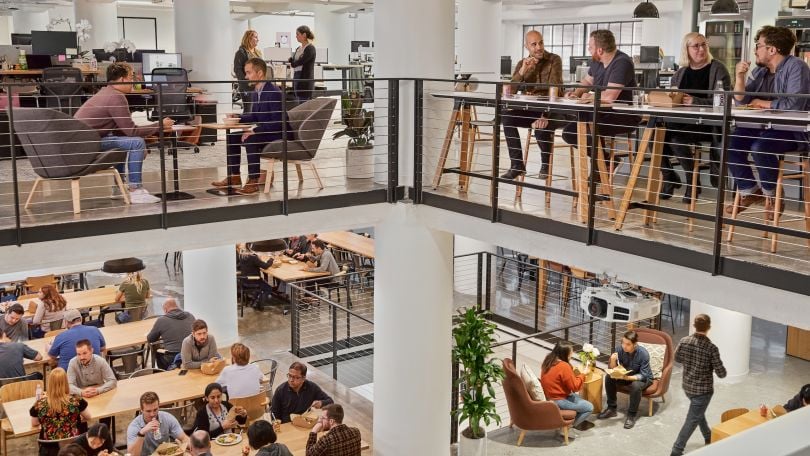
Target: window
x=627, y=33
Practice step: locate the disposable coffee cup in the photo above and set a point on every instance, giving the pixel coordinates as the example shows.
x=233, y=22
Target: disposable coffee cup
x=553, y=93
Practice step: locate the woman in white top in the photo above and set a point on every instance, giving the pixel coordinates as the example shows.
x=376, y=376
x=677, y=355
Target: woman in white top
x=303, y=63
x=241, y=379
x=50, y=307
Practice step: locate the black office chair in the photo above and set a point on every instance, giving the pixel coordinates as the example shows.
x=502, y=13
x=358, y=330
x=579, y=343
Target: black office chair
x=173, y=98
x=58, y=93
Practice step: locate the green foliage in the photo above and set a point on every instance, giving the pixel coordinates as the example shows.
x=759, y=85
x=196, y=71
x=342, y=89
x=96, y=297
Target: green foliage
x=359, y=123
x=474, y=335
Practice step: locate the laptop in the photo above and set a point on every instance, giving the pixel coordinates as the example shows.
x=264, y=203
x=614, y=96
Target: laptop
x=38, y=61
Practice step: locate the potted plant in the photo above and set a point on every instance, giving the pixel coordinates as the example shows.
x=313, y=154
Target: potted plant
x=474, y=335
x=359, y=127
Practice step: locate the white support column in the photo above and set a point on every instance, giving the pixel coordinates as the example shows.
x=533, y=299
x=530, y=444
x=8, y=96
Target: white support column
x=731, y=332
x=412, y=289
x=209, y=287
x=479, y=38
x=103, y=16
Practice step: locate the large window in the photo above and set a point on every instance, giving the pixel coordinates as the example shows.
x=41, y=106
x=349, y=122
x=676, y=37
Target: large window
x=628, y=34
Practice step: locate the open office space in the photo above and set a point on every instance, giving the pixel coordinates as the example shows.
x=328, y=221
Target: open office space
x=275, y=227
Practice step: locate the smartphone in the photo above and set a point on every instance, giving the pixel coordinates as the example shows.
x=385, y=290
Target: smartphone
x=183, y=372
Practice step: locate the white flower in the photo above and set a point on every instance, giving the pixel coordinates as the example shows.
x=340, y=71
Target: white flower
x=595, y=352
x=109, y=46
x=587, y=348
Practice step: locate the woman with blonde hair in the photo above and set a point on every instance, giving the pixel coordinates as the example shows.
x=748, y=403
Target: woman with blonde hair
x=58, y=414
x=698, y=71
x=303, y=63
x=248, y=49
x=50, y=308
x=133, y=292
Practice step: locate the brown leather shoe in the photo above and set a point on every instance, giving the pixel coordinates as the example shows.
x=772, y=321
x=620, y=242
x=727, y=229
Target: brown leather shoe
x=251, y=187
x=232, y=181
x=746, y=201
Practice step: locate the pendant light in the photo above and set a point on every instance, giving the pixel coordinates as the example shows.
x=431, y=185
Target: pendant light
x=645, y=10
x=725, y=7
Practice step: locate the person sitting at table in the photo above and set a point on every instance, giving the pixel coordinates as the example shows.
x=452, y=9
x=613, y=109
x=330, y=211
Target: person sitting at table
x=50, y=307
x=72, y=449
x=108, y=112
x=777, y=72
x=561, y=383
x=200, y=443
x=198, y=347
x=266, y=113
x=89, y=374
x=250, y=266
x=297, y=395
x=322, y=259
x=636, y=360
x=213, y=416
x=134, y=291
x=13, y=325
x=698, y=71
x=540, y=67
x=296, y=244
x=141, y=440
x=63, y=348
x=262, y=437
x=304, y=251
x=96, y=441
x=800, y=400
x=240, y=378
x=614, y=69
x=58, y=414
x=170, y=328
x=12, y=356
x=339, y=438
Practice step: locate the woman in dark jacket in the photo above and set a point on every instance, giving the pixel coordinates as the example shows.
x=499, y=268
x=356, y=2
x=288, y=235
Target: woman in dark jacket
x=248, y=49
x=97, y=441
x=303, y=63
x=213, y=417
x=262, y=437
x=698, y=71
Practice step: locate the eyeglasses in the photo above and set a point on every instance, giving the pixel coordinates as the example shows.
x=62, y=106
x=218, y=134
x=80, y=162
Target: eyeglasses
x=294, y=377
x=759, y=45
x=699, y=46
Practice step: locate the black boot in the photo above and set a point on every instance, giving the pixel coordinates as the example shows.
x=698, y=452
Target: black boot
x=671, y=182
x=687, y=195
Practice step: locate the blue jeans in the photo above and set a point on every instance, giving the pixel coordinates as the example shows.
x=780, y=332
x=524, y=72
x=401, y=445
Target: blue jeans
x=136, y=151
x=696, y=416
x=768, y=147
x=577, y=404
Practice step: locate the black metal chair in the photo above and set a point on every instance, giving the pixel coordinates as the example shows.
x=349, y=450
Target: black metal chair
x=60, y=90
x=173, y=100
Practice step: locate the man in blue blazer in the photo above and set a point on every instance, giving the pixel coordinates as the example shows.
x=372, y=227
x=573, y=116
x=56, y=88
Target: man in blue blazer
x=267, y=114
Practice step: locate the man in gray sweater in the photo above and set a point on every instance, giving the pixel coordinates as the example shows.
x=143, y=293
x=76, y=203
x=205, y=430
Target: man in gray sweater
x=199, y=347
x=171, y=328
x=88, y=374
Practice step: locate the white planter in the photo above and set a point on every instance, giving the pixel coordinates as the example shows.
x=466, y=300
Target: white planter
x=360, y=162
x=471, y=447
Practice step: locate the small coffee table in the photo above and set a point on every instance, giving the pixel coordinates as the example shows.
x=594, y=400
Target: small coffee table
x=228, y=191
x=592, y=389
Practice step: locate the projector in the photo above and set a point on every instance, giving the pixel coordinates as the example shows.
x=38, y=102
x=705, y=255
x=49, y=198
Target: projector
x=618, y=302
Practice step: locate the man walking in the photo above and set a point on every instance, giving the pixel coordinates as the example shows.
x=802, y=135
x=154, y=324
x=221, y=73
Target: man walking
x=700, y=358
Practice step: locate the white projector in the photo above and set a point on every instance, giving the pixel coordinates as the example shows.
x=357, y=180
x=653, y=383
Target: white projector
x=618, y=302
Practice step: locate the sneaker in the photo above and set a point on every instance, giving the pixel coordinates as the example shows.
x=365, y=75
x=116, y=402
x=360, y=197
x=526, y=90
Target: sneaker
x=141, y=196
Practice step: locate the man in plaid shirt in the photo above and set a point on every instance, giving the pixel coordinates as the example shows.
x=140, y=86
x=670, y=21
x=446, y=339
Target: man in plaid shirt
x=341, y=440
x=700, y=358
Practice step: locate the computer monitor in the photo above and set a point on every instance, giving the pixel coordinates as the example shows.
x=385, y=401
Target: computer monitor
x=160, y=60
x=649, y=54
x=321, y=55
x=356, y=45
x=38, y=61
x=138, y=55
x=21, y=39
x=575, y=61
x=54, y=43
x=506, y=65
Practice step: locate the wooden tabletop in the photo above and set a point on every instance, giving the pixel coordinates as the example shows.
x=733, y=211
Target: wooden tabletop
x=85, y=299
x=738, y=424
x=352, y=242
x=116, y=336
x=295, y=438
x=288, y=272
x=224, y=126
x=194, y=90
x=125, y=398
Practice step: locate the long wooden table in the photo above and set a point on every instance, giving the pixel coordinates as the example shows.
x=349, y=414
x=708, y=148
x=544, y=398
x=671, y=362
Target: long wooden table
x=738, y=424
x=288, y=272
x=352, y=242
x=86, y=299
x=295, y=438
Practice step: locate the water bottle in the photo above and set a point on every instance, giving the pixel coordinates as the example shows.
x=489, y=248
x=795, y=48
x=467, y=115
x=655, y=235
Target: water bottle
x=156, y=434
x=93, y=63
x=23, y=61
x=39, y=392
x=718, y=97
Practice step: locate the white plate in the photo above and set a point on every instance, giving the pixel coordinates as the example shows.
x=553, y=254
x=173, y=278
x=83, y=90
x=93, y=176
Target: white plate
x=235, y=442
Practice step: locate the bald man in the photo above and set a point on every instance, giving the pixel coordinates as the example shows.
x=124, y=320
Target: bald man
x=171, y=329
x=200, y=443
x=539, y=67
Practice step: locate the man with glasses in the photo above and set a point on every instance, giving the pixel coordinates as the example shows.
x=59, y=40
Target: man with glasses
x=783, y=75
x=341, y=440
x=297, y=395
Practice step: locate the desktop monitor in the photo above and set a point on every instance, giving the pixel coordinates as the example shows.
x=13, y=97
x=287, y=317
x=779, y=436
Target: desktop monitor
x=506, y=65
x=649, y=54
x=356, y=45
x=54, y=43
x=138, y=55
x=21, y=39
x=160, y=60
x=576, y=61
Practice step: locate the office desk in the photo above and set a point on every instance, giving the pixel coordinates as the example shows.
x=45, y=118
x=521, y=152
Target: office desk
x=290, y=272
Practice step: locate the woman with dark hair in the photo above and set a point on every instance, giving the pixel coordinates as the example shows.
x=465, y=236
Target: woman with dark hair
x=213, y=417
x=262, y=437
x=303, y=63
x=97, y=441
x=561, y=383
x=50, y=307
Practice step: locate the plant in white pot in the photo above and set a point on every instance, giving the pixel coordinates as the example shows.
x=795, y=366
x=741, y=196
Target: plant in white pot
x=473, y=336
x=359, y=127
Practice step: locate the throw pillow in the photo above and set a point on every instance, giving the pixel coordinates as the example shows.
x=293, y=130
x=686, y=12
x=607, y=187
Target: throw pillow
x=532, y=383
x=657, y=353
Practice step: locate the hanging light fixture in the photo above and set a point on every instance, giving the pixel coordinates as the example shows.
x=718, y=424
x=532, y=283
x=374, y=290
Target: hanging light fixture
x=725, y=7
x=645, y=10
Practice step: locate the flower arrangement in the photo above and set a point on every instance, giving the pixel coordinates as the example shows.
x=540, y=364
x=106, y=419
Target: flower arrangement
x=588, y=356
x=82, y=28
x=111, y=47
x=58, y=21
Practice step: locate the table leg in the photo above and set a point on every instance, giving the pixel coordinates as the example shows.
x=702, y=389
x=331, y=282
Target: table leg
x=655, y=178
x=465, y=155
x=583, y=178
x=175, y=195
x=228, y=191
x=566, y=292
x=542, y=283
x=448, y=140
x=634, y=173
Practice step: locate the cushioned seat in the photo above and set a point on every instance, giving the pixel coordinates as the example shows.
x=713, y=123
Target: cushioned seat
x=659, y=387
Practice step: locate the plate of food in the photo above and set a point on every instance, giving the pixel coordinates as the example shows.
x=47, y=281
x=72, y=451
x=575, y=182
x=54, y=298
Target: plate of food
x=293, y=261
x=228, y=439
x=746, y=108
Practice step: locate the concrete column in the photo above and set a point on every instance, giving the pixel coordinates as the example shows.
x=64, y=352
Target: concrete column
x=202, y=32
x=479, y=38
x=103, y=16
x=731, y=332
x=209, y=287
x=333, y=31
x=412, y=289
x=5, y=30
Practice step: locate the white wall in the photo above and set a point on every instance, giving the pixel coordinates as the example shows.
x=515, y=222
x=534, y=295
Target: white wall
x=269, y=24
x=165, y=23
x=24, y=22
x=337, y=30
x=5, y=30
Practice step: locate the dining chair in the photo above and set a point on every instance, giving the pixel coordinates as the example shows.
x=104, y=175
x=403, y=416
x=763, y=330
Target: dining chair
x=13, y=392
x=732, y=413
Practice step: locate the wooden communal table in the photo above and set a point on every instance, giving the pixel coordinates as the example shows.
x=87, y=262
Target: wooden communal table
x=86, y=299
x=352, y=242
x=228, y=191
x=295, y=438
x=288, y=272
x=738, y=424
x=191, y=90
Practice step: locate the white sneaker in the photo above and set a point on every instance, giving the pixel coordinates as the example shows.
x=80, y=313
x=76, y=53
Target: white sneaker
x=142, y=196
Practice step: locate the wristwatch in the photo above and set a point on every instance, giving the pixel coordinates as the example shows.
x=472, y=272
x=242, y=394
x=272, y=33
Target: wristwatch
x=141, y=434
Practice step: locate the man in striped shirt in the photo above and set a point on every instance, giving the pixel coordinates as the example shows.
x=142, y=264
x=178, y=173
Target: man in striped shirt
x=700, y=359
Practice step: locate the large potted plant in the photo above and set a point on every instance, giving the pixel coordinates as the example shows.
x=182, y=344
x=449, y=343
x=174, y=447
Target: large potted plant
x=359, y=127
x=474, y=336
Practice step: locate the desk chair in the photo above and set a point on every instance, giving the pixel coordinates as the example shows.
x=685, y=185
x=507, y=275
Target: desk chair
x=175, y=101
x=60, y=89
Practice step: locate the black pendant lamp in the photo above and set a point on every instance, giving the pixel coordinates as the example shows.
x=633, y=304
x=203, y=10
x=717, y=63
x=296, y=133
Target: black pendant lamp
x=645, y=10
x=123, y=265
x=725, y=7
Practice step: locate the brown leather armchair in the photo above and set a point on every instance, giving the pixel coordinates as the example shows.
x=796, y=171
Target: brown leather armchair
x=659, y=387
x=528, y=414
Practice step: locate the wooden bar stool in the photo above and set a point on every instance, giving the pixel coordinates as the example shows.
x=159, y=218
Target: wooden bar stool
x=610, y=143
x=801, y=174
x=698, y=164
x=550, y=175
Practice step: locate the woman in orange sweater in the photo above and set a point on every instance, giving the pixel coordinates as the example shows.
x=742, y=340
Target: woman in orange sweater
x=561, y=385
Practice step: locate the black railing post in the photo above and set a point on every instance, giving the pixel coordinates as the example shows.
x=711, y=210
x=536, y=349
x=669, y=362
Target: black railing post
x=612, y=336
x=454, y=400
x=418, y=127
x=590, y=332
x=14, y=177
x=295, y=334
x=496, y=154
x=285, y=203
x=164, y=215
x=721, y=185
x=479, y=279
x=334, y=343
x=488, y=296
x=393, y=139
x=597, y=98
x=514, y=352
